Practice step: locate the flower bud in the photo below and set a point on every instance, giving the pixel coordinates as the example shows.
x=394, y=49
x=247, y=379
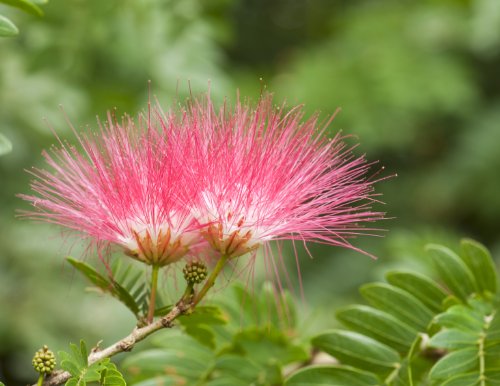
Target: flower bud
x=195, y=272
x=44, y=361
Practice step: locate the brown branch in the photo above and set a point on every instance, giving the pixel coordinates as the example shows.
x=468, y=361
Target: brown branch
x=125, y=344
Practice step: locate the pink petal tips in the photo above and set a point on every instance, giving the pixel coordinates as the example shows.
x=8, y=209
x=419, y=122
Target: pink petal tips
x=199, y=179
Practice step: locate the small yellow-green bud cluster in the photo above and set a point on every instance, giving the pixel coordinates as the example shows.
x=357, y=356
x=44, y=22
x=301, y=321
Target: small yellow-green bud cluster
x=195, y=272
x=44, y=361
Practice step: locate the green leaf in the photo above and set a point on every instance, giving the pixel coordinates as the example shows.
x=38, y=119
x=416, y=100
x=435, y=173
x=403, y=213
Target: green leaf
x=180, y=356
x=25, y=5
x=266, y=346
x=472, y=379
x=453, y=271
x=480, y=263
x=457, y=362
x=423, y=288
x=493, y=333
x=461, y=317
x=244, y=369
x=7, y=29
x=110, y=286
x=378, y=325
x=84, y=353
x=358, y=350
x=197, y=324
x=454, y=339
x=398, y=303
x=331, y=376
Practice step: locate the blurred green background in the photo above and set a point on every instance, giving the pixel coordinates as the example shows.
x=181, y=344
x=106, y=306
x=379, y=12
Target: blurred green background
x=418, y=83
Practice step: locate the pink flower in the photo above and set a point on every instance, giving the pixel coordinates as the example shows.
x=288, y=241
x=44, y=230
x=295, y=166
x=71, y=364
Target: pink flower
x=261, y=173
x=120, y=189
x=235, y=178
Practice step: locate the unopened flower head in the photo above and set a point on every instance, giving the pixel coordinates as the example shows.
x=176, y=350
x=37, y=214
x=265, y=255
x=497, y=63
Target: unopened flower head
x=119, y=189
x=263, y=173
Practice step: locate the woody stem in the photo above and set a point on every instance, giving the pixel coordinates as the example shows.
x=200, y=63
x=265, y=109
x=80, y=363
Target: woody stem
x=152, y=298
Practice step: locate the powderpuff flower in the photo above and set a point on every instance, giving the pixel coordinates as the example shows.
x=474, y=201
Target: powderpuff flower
x=120, y=189
x=262, y=173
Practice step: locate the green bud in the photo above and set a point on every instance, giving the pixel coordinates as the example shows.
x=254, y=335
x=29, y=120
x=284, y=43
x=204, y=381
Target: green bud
x=195, y=272
x=44, y=361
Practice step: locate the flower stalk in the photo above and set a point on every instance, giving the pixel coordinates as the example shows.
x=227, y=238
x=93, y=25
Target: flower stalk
x=152, y=298
x=211, y=280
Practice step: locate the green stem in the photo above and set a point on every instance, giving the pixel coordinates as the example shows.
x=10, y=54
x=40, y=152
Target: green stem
x=40, y=380
x=211, y=279
x=152, y=298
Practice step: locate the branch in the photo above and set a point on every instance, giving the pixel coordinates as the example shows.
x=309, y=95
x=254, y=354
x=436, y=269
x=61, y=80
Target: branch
x=125, y=344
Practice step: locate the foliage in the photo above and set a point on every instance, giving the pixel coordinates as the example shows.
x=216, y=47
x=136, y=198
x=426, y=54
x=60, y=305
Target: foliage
x=246, y=339
x=132, y=292
x=7, y=27
x=416, y=330
x=75, y=362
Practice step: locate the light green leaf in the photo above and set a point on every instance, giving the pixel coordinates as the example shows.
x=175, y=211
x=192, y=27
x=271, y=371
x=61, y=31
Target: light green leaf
x=454, y=339
x=25, y=5
x=84, y=353
x=480, y=263
x=331, y=376
x=493, y=333
x=423, y=288
x=378, y=325
x=453, y=271
x=358, y=350
x=7, y=29
x=471, y=379
x=461, y=317
x=398, y=303
x=5, y=144
x=457, y=362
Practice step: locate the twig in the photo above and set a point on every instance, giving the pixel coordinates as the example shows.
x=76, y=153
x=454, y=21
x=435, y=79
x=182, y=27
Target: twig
x=125, y=344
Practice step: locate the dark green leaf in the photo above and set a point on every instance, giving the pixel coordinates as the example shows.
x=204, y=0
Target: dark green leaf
x=331, y=376
x=225, y=380
x=453, y=271
x=243, y=368
x=25, y=5
x=423, y=288
x=110, y=286
x=7, y=28
x=480, y=263
x=358, y=350
x=267, y=346
x=378, y=325
x=457, y=362
x=179, y=355
x=398, y=303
